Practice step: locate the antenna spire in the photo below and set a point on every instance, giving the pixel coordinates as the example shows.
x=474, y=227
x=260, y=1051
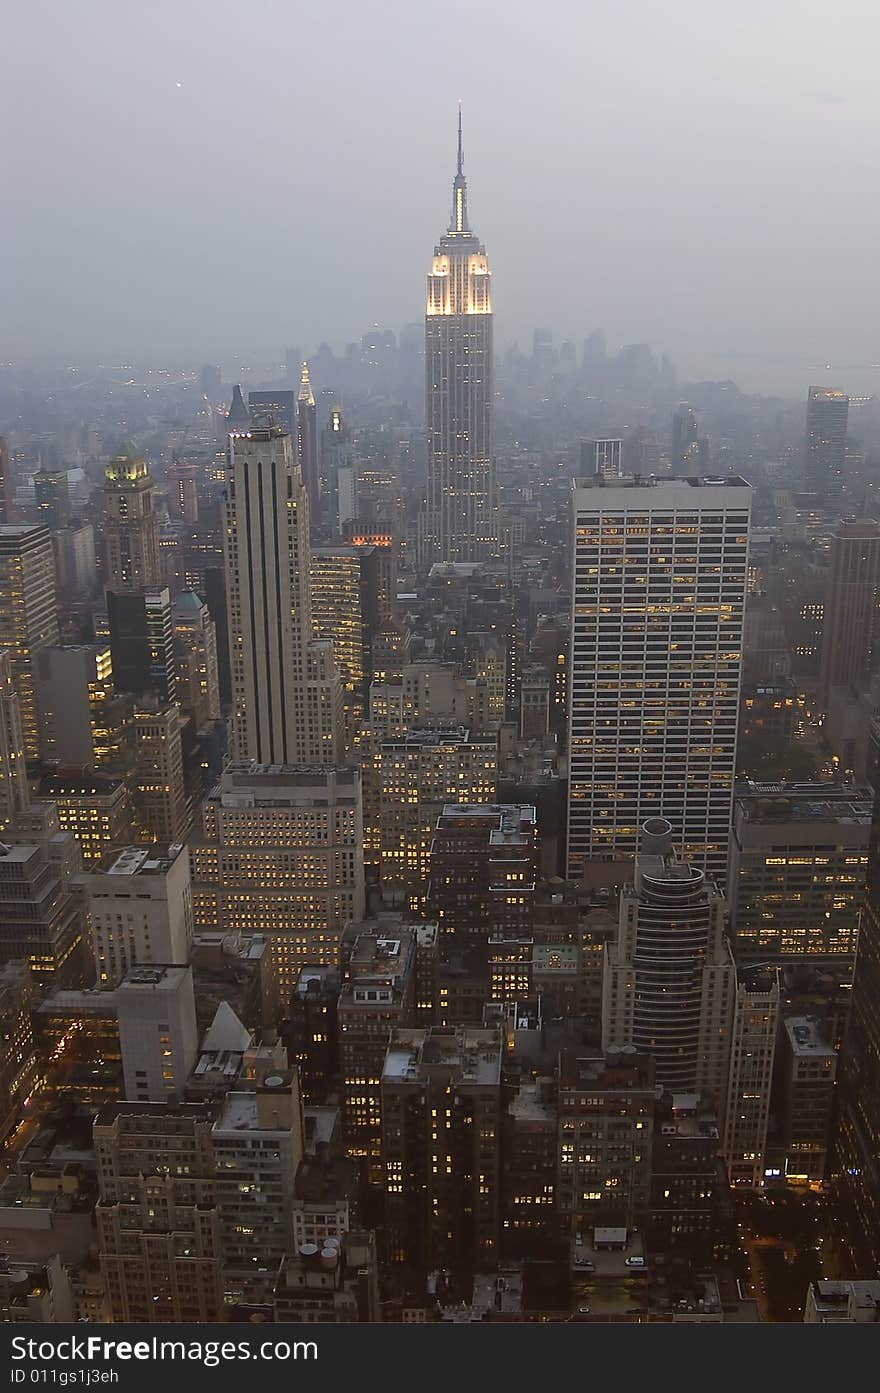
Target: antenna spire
x=459, y=221
x=460, y=169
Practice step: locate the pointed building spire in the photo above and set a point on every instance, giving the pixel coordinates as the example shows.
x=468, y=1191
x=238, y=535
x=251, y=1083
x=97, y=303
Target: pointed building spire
x=238, y=417
x=459, y=189
x=460, y=170
x=305, y=393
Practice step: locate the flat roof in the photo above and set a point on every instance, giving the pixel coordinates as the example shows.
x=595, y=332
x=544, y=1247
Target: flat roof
x=805, y=1039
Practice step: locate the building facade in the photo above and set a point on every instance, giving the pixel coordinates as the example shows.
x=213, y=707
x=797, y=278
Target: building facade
x=659, y=585
x=28, y=616
x=285, y=685
x=461, y=518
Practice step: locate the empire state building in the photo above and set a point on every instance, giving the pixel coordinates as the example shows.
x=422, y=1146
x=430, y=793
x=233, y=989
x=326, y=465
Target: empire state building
x=461, y=517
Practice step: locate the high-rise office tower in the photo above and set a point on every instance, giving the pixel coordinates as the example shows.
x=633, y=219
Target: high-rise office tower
x=75, y=559
x=142, y=642
x=140, y=911
x=752, y=1051
x=338, y=469
x=7, y=488
x=307, y=440
x=684, y=435
x=659, y=585
x=347, y=602
x=276, y=406
x=606, y=1125
x=158, y=1034
x=161, y=803
x=14, y=791
x=28, y=616
x=184, y=480
x=40, y=920
x=84, y=721
x=669, y=982
x=95, y=809
x=282, y=853
x=461, y=516
x=852, y=607
x=856, y=1147
x=52, y=497
x=803, y=1098
x=195, y=655
x=603, y=457
x=158, y=1224
x=441, y=1125
x=484, y=869
x=131, y=528
x=798, y=863
x=258, y=1145
x=378, y=995
x=825, y=443
x=412, y=777
x=285, y=684
x=19, y=1065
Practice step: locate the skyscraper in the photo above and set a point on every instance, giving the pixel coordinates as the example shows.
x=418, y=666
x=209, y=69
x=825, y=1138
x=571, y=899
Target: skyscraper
x=276, y=405
x=131, y=527
x=659, y=584
x=285, y=685
x=7, y=489
x=852, y=607
x=307, y=439
x=825, y=444
x=158, y=1225
x=441, y=1124
x=14, y=792
x=28, y=617
x=282, y=852
x=669, y=983
x=461, y=518
x=195, y=655
x=52, y=497
x=142, y=642
x=856, y=1147
x=752, y=1051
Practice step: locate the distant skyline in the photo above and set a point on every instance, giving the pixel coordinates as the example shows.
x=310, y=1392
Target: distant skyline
x=195, y=180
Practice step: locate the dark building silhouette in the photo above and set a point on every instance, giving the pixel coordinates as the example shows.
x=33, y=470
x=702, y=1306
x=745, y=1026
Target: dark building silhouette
x=856, y=1146
x=850, y=630
x=825, y=445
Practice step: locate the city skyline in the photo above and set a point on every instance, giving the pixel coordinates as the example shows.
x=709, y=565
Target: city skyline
x=440, y=784
x=640, y=158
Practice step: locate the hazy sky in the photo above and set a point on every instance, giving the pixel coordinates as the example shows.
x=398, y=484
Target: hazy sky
x=200, y=176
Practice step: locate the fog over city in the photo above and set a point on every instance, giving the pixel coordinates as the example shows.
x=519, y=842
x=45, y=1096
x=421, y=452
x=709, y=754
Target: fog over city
x=204, y=178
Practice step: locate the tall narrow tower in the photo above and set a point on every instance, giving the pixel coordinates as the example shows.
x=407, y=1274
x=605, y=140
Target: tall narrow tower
x=825, y=444
x=460, y=522
x=131, y=526
x=307, y=438
x=285, y=685
x=659, y=587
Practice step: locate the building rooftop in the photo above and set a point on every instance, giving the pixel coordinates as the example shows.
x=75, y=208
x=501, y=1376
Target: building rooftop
x=146, y=975
x=239, y=1114
x=806, y=1039
x=560, y=959
x=469, y=1054
x=437, y=735
x=668, y=483
x=831, y=1296
x=804, y=802
x=143, y=861
x=531, y=1105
